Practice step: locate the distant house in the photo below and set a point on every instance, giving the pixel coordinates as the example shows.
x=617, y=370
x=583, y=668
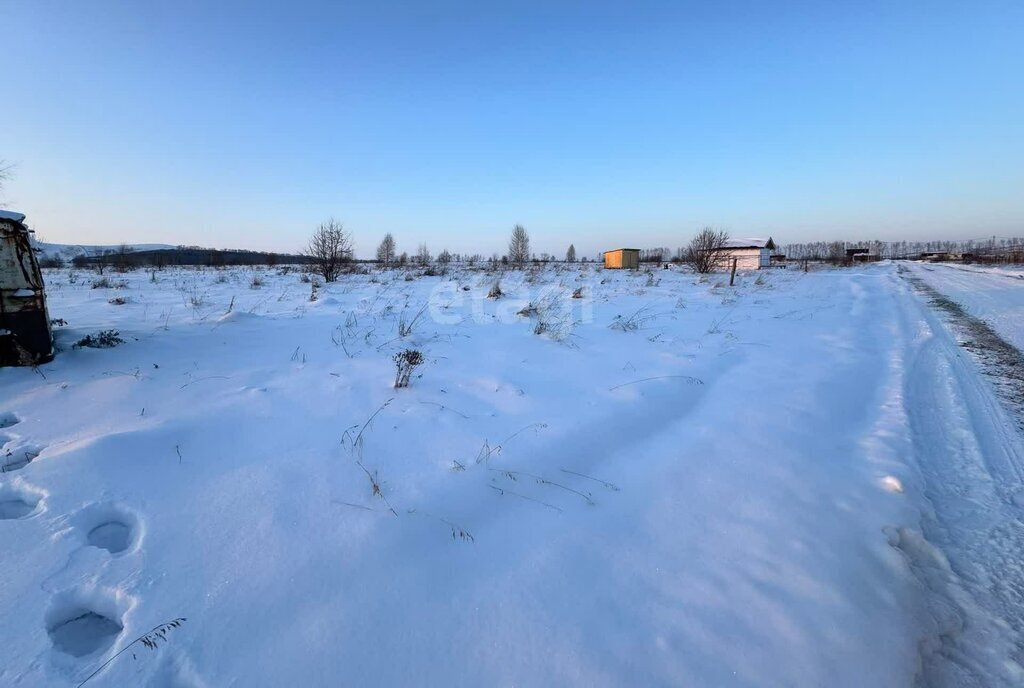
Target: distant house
x=622, y=258
x=750, y=254
x=861, y=255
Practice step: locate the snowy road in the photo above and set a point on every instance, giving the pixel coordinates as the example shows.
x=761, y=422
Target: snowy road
x=971, y=462
x=801, y=481
x=993, y=294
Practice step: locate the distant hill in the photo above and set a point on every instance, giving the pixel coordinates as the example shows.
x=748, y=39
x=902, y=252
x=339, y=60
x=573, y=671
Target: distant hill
x=130, y=256
x=67, y=252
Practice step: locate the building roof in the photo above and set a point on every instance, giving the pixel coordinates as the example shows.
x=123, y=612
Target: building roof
x=613, y=250
x=750, y=243
x=11, y=215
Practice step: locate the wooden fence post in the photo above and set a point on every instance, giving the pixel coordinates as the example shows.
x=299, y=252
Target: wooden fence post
x=732, y=277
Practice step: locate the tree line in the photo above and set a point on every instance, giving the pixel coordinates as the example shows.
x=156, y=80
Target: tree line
x=835, y=250
x=330, y=248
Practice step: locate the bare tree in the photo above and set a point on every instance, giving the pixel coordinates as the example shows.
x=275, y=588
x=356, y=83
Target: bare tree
x=329, y=249
x=122, y=261
x=423, y=255
x=519, y=246
x=386, y=250
x=836, y=251
x=101, y=259
x=444, y=257
x=570, y=255
x=708, y=250
x=5, y=176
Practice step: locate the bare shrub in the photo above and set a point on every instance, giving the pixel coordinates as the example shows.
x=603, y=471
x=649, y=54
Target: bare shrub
x=193, y=295
x=631, y=323
x=329, y=249
x=406, y=362
x=708, y=250
x=406, y=326
x=495, y=291
x=554, y=317
x=357, y=270
x=256, y=282
x=104, y=339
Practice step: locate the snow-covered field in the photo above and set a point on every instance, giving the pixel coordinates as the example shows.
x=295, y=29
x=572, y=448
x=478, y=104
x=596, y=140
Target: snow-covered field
x=797, y=481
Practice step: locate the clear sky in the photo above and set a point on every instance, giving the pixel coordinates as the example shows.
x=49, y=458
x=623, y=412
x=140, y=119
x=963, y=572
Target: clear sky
x=605, y=124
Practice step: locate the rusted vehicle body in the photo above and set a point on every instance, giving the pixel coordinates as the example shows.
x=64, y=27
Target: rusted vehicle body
x=25, y=334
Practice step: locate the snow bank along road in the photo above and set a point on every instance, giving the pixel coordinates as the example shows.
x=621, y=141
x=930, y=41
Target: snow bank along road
x=799, y=481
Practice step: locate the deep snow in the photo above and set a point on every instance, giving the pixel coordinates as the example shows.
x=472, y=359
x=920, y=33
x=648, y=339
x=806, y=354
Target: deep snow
x=747, y=490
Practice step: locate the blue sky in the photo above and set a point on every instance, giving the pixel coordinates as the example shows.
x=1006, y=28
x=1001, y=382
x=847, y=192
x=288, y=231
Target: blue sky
x=603, y=124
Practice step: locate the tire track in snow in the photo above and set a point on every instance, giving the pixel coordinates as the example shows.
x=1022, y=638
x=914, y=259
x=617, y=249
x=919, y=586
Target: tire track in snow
x=970, y=457
x=1000, y=362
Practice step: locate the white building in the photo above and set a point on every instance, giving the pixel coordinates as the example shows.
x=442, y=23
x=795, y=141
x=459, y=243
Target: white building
x=750, y=254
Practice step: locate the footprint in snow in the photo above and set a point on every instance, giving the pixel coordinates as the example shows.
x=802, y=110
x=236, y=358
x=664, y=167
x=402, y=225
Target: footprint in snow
x=109, y=526
x=18, y=500
x=85, y=622
x=81, y=623
x=15, y=457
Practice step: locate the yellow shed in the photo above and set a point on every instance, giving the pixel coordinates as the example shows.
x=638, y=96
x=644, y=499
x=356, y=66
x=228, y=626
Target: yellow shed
x=624, y=258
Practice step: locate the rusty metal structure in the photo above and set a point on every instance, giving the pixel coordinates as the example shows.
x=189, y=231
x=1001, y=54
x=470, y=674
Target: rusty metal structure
x=25, y=334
